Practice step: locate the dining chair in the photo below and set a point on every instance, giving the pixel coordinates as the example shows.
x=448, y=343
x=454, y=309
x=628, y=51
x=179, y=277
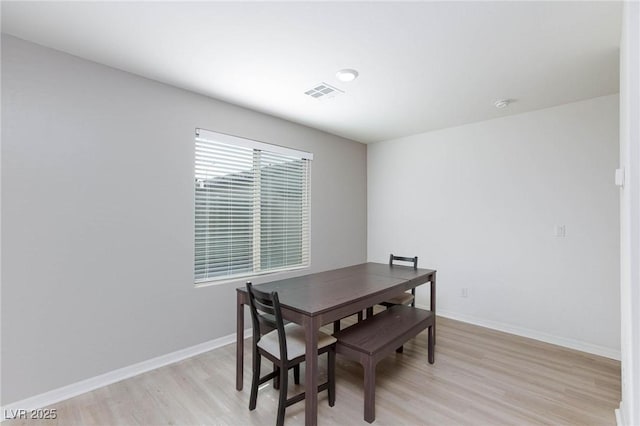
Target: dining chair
x=406, y=298
x=284, y=346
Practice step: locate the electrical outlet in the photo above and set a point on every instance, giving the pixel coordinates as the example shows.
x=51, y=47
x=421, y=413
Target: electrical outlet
x=464, y=292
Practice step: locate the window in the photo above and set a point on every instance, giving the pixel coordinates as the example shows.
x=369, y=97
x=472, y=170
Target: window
x=252, y=206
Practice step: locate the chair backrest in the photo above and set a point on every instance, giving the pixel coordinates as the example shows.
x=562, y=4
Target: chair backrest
x=266, y=316
x=413, y=260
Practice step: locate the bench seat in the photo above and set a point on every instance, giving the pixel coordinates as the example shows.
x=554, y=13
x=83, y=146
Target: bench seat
x=377, y=337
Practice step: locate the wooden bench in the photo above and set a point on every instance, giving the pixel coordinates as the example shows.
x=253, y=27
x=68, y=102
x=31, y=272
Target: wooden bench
x=376, y=337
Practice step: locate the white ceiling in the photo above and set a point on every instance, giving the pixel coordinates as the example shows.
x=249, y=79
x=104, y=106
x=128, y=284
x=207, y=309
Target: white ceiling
x=423, y=66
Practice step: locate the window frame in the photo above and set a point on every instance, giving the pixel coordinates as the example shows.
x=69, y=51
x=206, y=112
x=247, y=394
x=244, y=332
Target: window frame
x=256, y=146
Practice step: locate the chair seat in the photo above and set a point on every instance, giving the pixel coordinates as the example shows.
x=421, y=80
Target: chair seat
x=403, y=299
x=295, y=341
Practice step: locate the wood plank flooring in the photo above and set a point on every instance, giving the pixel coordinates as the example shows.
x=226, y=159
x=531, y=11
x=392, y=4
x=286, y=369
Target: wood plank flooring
x=480, y=377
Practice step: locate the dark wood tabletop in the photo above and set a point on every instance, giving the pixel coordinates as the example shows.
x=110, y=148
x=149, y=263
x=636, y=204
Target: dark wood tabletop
x=321, y=292
x=317, y=299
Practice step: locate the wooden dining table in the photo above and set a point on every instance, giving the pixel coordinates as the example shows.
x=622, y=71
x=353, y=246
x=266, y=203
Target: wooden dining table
x=317, y=299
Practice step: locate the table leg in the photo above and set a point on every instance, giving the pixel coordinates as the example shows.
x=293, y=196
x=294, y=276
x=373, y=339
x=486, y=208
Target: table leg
x=311, y=373
x=239, y=342
x=433, y=304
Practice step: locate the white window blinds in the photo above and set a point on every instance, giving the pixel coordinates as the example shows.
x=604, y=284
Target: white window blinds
x=252, y=207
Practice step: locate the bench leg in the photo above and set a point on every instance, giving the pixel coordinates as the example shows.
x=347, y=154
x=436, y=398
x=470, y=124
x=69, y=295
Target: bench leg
x=369, y=390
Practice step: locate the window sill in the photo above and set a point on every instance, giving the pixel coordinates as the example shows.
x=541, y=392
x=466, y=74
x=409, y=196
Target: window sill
x=249, y=277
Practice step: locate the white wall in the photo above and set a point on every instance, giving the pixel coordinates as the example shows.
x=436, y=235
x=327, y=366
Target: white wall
x=480, y=202
x=97, y=216
x=629, y=413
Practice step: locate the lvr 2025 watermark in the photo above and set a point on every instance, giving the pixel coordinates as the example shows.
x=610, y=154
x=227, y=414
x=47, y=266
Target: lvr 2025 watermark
x=37, y=414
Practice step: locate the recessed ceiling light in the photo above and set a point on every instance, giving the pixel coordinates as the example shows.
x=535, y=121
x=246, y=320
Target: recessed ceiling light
x=502, y=103
x=347, y=75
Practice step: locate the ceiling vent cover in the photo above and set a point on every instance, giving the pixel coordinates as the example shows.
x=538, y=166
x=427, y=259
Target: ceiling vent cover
x=323, y=91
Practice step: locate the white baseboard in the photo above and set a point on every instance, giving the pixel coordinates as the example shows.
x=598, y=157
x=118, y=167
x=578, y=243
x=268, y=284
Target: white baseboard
x=75, y=389
x=620, y=416
x=533, y=334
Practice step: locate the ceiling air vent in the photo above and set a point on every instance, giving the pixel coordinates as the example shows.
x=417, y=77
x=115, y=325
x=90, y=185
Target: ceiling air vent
x=323, y=91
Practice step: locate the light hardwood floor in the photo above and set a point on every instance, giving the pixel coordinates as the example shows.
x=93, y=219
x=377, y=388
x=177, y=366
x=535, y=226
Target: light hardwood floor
x=480, y=377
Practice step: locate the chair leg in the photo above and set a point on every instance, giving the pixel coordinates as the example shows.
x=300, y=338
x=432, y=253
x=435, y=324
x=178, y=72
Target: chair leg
x=431, y=339
x=400, y=349
x=336, y=326
x=331, y=373
x=282, y=401
x=296, y=374
x=276, y=378
x=255, y=381
x=370, y=312
x=360, y=316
